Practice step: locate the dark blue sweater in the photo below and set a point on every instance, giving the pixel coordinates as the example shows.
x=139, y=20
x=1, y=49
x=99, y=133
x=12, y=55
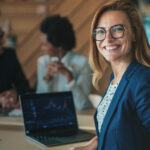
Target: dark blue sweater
x=11, y=74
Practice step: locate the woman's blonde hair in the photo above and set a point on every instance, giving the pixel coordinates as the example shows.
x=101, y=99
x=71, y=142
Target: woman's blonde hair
x=140, y=46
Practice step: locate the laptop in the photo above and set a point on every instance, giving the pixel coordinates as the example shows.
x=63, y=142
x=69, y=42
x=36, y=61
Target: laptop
x=50, y=119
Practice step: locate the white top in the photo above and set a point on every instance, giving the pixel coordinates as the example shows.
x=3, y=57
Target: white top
x=80, y=86
x=105, y=103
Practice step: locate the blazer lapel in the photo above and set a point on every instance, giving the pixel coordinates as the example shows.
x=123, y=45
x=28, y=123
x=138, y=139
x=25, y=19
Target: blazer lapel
x=121, y=87
x=110, y=111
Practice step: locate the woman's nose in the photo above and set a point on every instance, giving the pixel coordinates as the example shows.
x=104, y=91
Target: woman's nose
x=108, y=37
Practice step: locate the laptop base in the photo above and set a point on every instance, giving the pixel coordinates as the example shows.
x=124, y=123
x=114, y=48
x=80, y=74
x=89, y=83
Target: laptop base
x=46, y=140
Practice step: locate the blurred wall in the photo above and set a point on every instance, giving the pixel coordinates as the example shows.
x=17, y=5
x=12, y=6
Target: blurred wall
x=25, y=16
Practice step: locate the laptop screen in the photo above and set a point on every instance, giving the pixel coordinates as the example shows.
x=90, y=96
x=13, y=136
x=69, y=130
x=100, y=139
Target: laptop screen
x=48, y=111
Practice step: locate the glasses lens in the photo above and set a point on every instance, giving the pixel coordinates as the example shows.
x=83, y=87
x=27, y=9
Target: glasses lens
x=99, y=34
x=117, y=31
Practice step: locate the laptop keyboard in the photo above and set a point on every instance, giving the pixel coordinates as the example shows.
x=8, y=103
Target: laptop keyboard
x=50, y=140
x=47, y=140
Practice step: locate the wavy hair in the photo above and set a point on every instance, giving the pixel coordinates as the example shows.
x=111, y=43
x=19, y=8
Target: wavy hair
x=141, y=46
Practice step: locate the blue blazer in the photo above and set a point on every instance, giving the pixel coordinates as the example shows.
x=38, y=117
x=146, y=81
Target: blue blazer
x=126, y=125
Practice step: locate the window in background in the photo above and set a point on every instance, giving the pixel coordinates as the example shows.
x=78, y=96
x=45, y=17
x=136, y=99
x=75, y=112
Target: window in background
x=144, y=7
x=146, y=22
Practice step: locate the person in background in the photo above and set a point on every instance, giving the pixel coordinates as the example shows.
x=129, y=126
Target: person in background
x=12, y=79
x=61, y=69
x=122, y=117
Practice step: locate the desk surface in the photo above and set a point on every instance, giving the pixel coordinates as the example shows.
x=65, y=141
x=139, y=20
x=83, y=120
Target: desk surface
x=12, y=136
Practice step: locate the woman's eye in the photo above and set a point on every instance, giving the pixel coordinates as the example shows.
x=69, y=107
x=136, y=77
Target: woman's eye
x=117, y=29
x=100, y=31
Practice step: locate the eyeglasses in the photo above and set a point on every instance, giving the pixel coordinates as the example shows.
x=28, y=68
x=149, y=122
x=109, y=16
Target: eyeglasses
x=116, y=32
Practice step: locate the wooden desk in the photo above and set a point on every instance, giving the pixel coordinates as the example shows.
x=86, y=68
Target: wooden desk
x=12, y=136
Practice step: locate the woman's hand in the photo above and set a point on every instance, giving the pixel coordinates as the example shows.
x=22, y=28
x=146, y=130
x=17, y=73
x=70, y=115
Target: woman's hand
x=57, y=67
x=8, y=99
x=91, y=145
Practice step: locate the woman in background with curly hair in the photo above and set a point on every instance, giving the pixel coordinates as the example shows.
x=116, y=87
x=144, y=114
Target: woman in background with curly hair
x=61, y=69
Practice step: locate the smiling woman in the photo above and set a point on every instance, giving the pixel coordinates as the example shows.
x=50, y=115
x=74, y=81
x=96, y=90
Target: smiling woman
x=116, y=46
x=140, y=46
x=122, y=116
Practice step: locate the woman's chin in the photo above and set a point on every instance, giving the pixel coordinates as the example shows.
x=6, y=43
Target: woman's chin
x=110, y=59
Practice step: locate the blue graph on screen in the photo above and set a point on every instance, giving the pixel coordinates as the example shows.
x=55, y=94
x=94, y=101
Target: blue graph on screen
x=52, y=106
x=50, y=112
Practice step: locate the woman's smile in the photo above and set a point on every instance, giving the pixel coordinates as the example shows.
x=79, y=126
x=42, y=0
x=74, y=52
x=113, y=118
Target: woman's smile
x=111, y=48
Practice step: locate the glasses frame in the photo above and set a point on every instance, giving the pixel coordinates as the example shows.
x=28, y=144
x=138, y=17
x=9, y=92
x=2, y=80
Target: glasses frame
x=94, y=34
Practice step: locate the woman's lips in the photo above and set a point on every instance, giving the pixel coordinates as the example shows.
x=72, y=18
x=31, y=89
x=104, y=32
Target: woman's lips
x=110, y=48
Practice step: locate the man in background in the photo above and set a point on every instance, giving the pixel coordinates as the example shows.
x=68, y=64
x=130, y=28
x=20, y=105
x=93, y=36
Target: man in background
x=12, y=79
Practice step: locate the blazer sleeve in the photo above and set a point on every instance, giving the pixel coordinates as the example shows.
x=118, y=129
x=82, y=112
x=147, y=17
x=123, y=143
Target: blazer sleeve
x=142, y=99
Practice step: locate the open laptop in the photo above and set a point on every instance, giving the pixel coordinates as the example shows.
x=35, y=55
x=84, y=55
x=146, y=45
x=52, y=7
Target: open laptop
x=50, y=119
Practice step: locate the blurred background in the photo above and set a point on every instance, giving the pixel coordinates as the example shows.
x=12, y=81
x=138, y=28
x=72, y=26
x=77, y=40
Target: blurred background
x=20, y=20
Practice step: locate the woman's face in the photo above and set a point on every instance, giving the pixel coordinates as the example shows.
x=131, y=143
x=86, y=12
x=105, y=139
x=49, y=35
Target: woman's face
x=115, y=49
x=48, y=48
